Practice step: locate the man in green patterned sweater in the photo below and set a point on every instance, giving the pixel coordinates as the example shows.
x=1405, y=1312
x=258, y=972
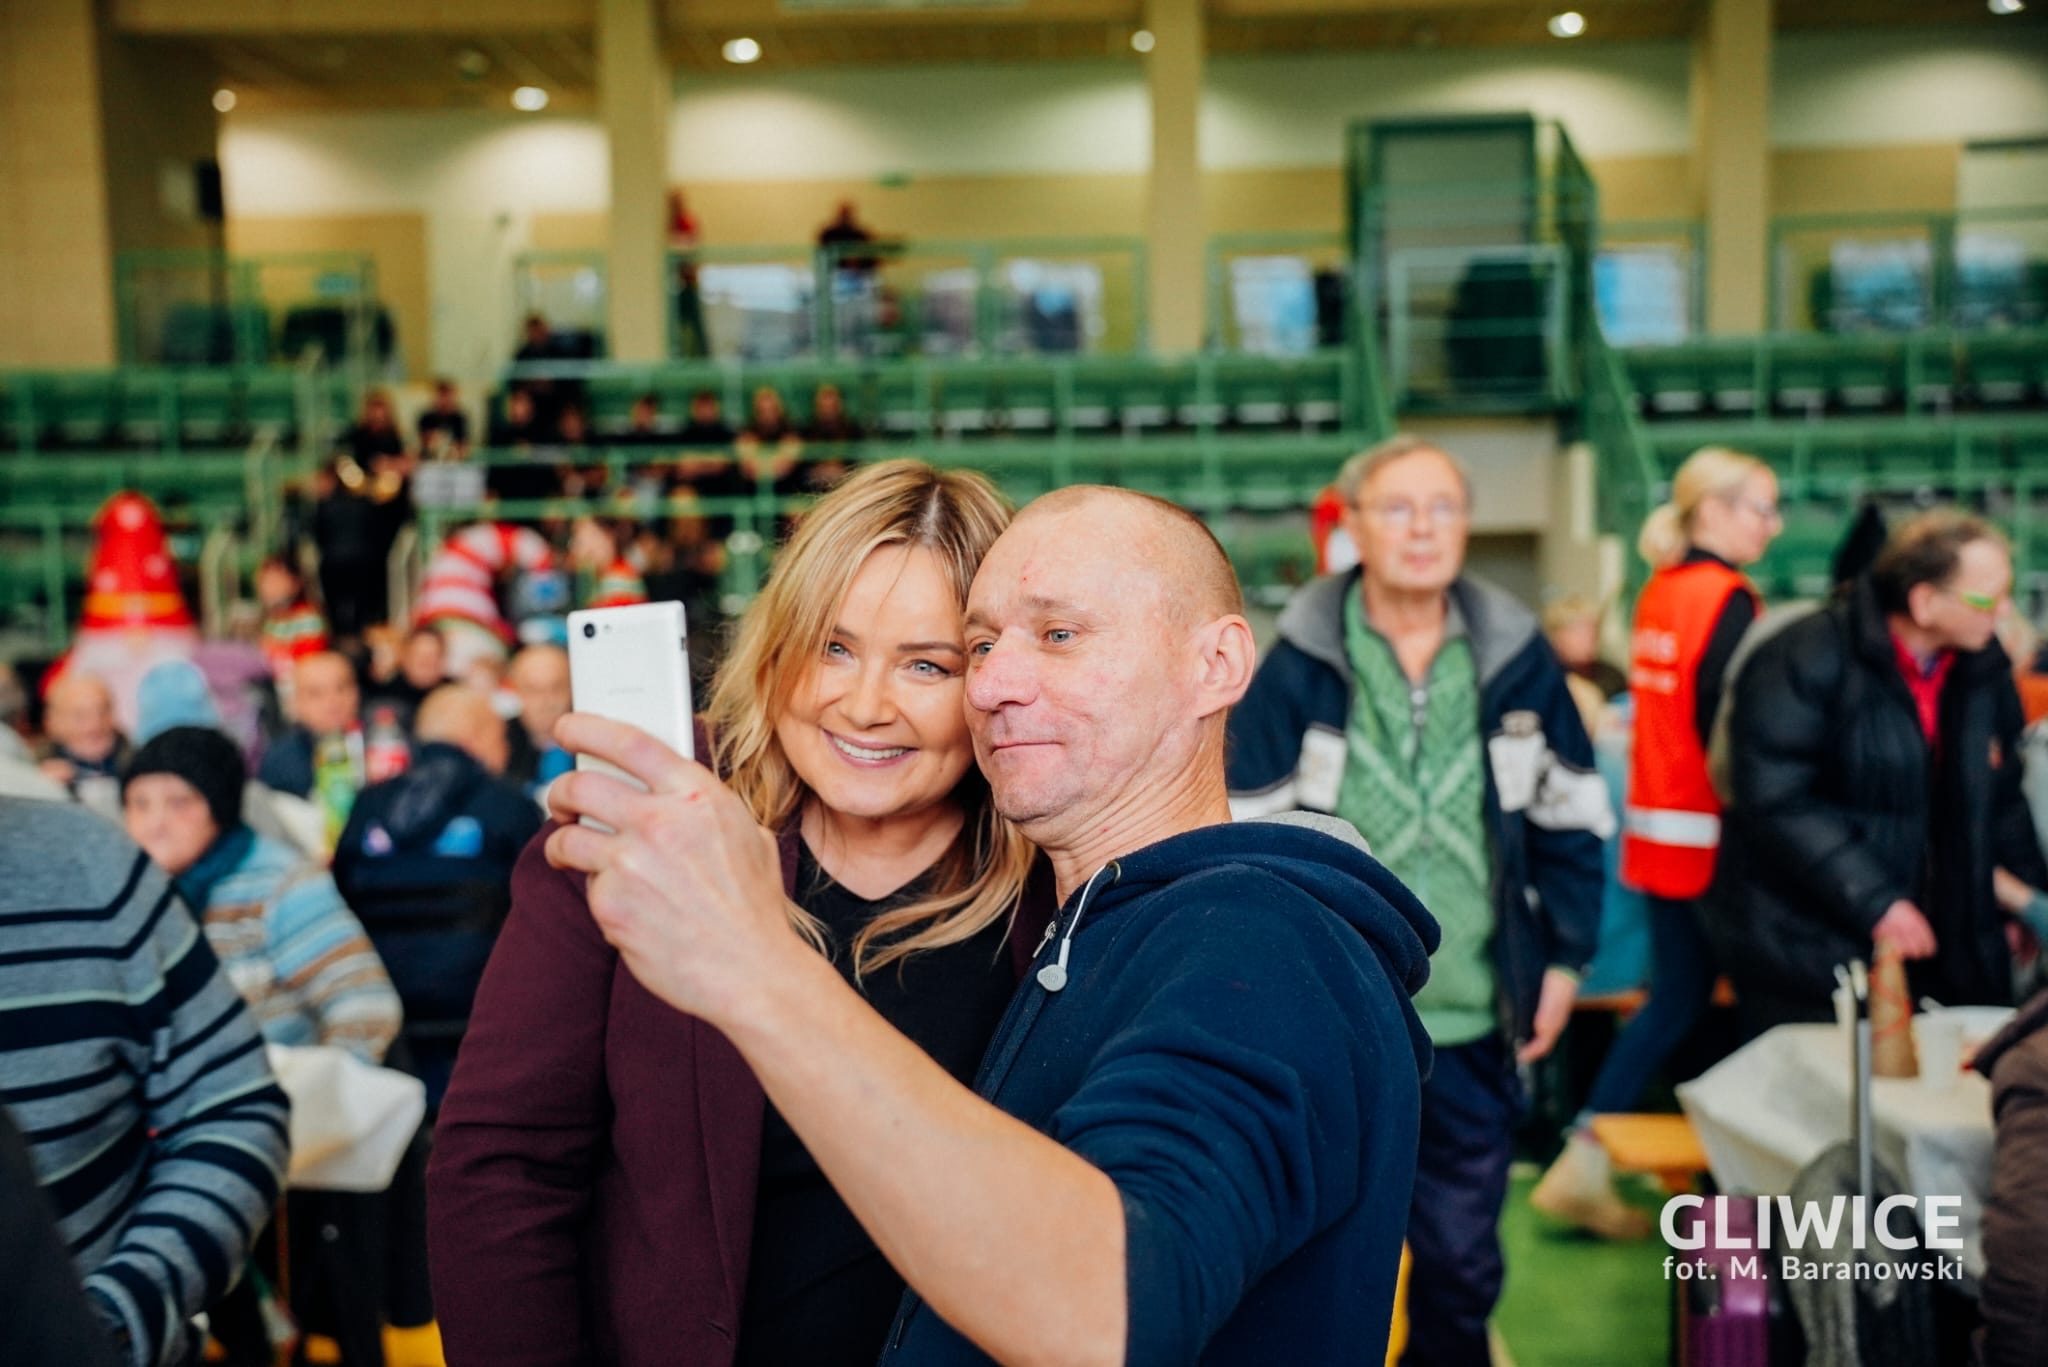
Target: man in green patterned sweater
x=1425, y=707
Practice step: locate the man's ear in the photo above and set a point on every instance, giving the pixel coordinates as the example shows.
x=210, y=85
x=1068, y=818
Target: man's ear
x=1226, y=659
x=1919, y=599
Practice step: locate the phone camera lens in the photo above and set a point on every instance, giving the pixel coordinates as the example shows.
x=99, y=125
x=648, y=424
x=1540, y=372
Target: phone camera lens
x=589, y=630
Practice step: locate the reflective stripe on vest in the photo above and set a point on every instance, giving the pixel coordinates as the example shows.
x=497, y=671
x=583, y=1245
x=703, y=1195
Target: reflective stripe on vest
x=1664, y=826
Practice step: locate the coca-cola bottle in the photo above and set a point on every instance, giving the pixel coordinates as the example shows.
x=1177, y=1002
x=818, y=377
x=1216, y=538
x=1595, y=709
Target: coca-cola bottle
x=385, y=753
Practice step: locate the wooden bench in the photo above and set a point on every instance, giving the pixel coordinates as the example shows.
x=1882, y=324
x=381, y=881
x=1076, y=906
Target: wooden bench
x=1664, y=1146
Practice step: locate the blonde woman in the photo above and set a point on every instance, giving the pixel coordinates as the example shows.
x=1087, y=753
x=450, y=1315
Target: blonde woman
x=609, y=1183
x=1690, y=617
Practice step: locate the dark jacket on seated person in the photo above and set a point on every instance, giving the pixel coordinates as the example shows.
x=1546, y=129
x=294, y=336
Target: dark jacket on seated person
x=426, y=864
x=2014, y=1299
x=288, y=763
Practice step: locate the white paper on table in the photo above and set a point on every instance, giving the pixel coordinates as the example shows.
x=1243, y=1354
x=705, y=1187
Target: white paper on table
x=1774, y=1105
x=351, y=1121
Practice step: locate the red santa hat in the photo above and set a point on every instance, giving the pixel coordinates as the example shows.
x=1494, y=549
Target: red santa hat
x=133, y=582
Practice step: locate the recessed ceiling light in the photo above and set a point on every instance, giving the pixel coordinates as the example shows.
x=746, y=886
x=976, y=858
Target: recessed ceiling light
x=529, y=99
x=1570, y=24
x=740, y=51
x=223, y=100
x=1143, y=40
x=2007, y=6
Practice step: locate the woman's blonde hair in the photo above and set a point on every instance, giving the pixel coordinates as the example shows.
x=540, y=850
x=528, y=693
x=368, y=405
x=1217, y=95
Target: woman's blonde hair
x=1710, y=472
x=956, y=515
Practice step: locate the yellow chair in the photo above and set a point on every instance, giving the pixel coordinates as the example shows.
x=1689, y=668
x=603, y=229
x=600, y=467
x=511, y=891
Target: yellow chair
x=1397, y=1334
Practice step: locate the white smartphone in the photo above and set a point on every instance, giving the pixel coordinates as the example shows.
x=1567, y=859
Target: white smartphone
x=632, y=664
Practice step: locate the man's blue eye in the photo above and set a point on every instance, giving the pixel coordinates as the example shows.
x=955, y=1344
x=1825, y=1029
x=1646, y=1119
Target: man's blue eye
x=1059, y=636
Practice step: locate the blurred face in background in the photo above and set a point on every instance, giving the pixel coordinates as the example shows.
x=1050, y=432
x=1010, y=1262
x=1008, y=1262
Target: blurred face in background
x=1410, y=522
x=324, y=695
x=424, y=660
x=540, y=679
x=276, y=587
x=79, y=716
x=1964, y=613
x=1577, y=640
x=1739, y=525
x=169, y=819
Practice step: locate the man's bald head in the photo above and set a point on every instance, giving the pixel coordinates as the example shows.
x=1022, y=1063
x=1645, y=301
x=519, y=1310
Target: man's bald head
x=461, y=716
x=539, y=676
x=325, y=699
x=1197, y=581
x=78, y=714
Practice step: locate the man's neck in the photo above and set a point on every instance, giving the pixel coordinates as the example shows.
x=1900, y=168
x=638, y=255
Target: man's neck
x=1197, y=798
x=1921, y=644
x=1396, y=612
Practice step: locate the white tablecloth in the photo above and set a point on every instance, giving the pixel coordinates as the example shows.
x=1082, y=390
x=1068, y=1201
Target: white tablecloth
x=351, y=1122
x=1771, y=1107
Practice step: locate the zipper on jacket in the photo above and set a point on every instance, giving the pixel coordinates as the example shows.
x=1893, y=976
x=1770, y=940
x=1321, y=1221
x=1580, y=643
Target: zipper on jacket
x=903, y=1318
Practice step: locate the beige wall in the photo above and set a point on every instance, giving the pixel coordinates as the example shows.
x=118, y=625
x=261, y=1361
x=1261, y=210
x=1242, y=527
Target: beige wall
x=1306, y=199
x=56, y=280
x=397, y=246
x=1843, y=180
x=157, y=103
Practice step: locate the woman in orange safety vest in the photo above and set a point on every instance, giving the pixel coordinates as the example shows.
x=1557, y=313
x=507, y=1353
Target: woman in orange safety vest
x=1690, y=617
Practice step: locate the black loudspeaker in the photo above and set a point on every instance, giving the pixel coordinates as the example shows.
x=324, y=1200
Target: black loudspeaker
x=206, y=191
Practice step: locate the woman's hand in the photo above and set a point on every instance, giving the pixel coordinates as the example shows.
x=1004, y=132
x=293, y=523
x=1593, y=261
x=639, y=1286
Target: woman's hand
x=685, y=885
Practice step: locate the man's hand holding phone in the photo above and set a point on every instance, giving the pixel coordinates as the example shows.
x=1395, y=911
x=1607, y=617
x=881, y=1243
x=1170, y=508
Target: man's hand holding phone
x=683, y=883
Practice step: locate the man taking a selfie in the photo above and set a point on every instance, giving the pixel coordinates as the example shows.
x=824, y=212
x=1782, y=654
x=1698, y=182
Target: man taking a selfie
x=1193, y=1136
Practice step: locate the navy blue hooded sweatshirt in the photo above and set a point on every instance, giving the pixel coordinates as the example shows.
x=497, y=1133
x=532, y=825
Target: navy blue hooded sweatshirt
x=1233, y=1045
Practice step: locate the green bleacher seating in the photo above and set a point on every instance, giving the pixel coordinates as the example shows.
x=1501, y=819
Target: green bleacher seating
x=1868, y=372
x=1667, y=380
x=1321, y=400
x=1030, y=397
x=1090, y=401
x=609, y=400
x=207, y=404
x=1253, y=392
x=1151, y=395
x=903, y=402
x=1273, y=561
x=148, y=407
x=1170, y=471
x=2002, y=369
x=270, y=402
x=1728, y=375
x=77, y=408
x=967, y=402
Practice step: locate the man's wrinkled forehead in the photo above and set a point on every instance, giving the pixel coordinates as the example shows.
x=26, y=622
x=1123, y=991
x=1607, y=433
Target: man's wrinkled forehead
x=1082, y=558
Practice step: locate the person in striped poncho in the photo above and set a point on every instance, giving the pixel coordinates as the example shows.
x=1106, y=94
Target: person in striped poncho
x=136, y=1075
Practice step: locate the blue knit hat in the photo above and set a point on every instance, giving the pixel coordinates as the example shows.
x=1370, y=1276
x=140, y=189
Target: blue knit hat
x=174, y=693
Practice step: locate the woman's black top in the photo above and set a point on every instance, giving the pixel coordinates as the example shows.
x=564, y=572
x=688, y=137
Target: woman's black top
x=818, y=1291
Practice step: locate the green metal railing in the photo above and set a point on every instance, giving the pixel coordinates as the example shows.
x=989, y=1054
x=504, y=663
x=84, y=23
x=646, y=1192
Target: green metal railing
x=1897, y=271
x=877, y=300
x=211, y=308
x=1478, y=289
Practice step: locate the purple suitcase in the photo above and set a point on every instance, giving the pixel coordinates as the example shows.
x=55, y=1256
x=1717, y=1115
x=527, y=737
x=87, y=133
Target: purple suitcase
x=1723, y=1308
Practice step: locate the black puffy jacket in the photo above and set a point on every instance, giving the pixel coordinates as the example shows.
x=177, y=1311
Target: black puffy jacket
x=1836, y=815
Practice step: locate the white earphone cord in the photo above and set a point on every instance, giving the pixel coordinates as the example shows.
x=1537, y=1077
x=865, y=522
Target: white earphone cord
x=1053, y=976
